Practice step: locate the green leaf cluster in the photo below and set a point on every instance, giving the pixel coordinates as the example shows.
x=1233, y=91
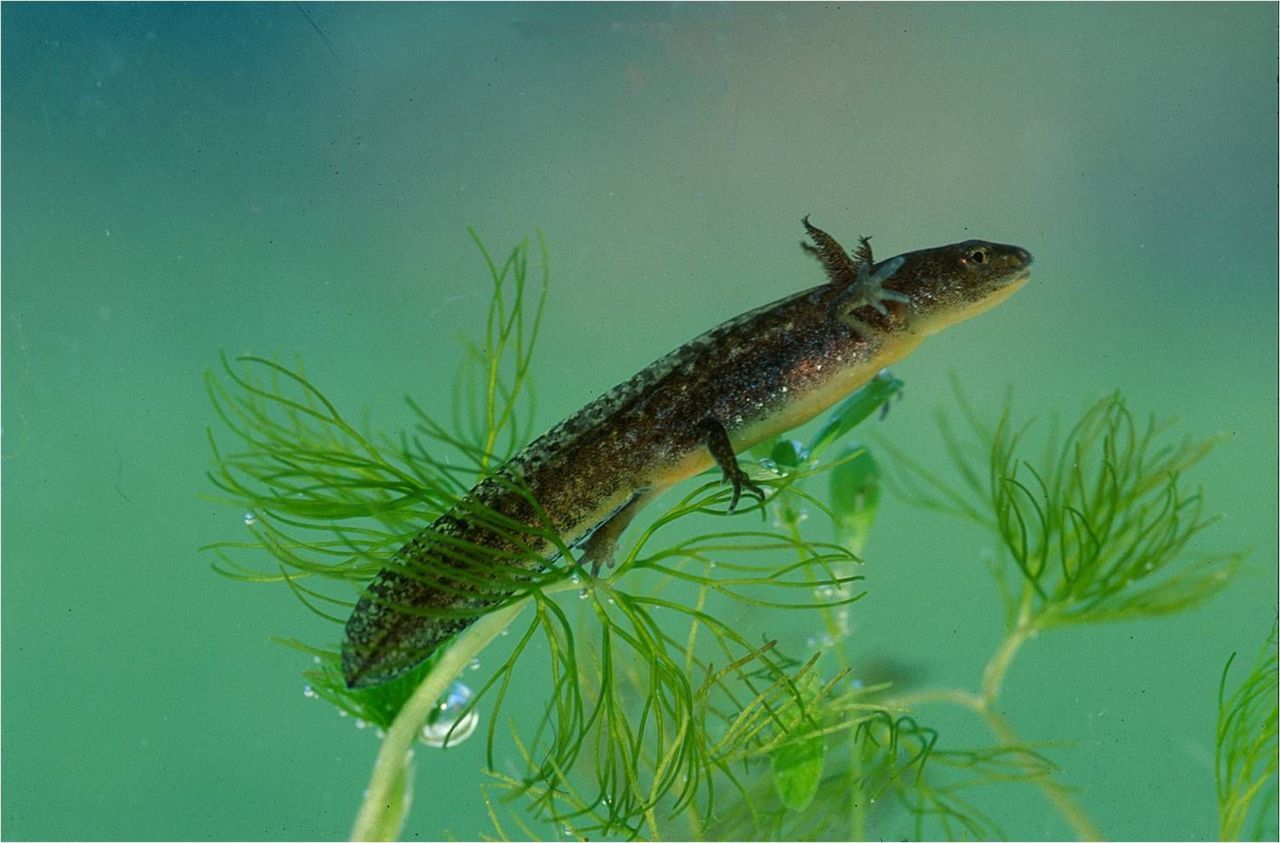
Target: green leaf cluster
x=878, y=775
x=1100, y=528
x=330, y=503
x=643, y=711
x=1246, y=749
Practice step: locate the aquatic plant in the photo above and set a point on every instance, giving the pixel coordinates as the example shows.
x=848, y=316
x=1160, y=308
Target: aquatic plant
x=1097, y=530
x=661, y=717
x=1245, y=768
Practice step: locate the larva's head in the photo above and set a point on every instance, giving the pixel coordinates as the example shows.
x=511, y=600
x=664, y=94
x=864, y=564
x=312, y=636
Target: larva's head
x=952, y=283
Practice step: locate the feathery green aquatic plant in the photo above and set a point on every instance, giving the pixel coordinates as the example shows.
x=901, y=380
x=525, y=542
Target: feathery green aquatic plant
x=1096, y=530
x=1245, y=768
x=1100, y=529
x=661, y=717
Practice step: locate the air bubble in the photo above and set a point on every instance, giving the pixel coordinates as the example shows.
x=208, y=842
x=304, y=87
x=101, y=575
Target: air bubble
x=250, y=519
x=448, y=725
x=475, y=664
x=583, y=594
x=820, y=642
x=308, y=692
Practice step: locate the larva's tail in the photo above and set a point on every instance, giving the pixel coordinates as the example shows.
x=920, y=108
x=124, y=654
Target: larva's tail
x=469, y=561
x=396, y=625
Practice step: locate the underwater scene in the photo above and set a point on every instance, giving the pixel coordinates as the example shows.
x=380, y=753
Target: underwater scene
x=371, y=469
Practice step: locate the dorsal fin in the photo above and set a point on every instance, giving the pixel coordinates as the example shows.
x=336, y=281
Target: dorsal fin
x=841, y=271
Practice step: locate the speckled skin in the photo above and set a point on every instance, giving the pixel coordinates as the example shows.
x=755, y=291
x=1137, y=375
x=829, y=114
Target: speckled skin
x=756, y=375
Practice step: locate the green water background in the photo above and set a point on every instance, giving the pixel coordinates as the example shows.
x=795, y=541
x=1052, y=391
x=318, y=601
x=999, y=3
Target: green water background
x=180, y=180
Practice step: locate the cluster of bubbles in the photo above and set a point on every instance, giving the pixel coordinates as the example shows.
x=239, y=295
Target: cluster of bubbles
x=830, y=593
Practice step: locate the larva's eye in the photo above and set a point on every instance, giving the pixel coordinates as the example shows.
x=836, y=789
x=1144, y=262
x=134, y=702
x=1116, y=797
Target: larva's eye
x=980, y=255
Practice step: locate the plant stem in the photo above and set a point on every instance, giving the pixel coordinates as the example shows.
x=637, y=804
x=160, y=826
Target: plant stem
x=998, y=666
x=386, y=800
x=1026, y=625
x=951, y=696
x=1059, y=796
x=857, y=798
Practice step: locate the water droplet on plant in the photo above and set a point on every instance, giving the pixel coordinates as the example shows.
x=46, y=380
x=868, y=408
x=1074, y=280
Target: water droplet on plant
x=447, y=725
x=250, y=519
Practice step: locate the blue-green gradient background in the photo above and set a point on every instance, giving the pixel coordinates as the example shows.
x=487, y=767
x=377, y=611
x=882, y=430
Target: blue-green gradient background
x=180, y=180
